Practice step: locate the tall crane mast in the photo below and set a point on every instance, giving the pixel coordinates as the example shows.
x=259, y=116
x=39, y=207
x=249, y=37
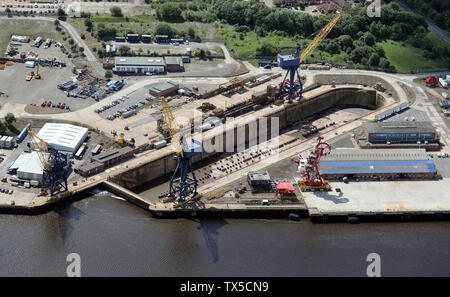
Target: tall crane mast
x=184, y=188
x=292, y=62
x=55, y=173
x=312, y=180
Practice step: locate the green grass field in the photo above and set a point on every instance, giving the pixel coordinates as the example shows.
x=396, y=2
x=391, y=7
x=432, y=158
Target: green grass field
x=404, y=57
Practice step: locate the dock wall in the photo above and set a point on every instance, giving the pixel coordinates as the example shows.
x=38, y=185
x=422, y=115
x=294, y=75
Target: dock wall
x=230, y=135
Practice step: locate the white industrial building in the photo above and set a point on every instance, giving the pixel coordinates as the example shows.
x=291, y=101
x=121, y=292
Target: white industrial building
x=63, y=137
x=29, y=166
x=136, y=65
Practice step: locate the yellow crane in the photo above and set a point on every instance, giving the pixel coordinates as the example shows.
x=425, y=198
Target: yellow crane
x=319, y=37
x=54, y=166
x=292, y=62
x=39, y=145
x=184, y=188
x=173, y=130
x=37, y=76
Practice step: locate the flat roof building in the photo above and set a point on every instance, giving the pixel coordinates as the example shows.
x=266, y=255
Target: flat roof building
x=164, y=89
x=29, y=166
x=139, y=65
x=100, y=162
x=377, y=164
x=63, y=137
x=174, y=64
x=398, y=135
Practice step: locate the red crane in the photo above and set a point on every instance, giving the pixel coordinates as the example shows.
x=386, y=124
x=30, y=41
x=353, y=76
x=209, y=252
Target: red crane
x=312, y=180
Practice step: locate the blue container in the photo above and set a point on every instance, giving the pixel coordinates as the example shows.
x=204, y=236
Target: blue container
x=23, y=134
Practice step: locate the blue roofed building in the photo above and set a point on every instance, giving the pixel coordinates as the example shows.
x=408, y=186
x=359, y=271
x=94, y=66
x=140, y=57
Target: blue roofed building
x=377, y=164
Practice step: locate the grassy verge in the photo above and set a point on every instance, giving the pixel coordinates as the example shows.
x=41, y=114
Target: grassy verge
x=405, y=57
x=219, y=51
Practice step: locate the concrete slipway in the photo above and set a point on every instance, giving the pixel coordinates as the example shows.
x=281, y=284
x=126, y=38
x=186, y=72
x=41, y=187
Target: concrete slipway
x=378, y=199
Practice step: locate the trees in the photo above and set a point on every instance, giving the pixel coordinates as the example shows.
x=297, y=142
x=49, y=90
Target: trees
x=333, y=47
x=116, y=11
x=124, y=50
x=88, y=23
x=191, y=32
x=169, y=12
x=165, y=29
x=267, y=50
x=108, y=74
x=104, y=32
x=384, y=63
x=374, y=59
x=369, y=38
x=3, y=127
x=9, y=118
x=61, y=13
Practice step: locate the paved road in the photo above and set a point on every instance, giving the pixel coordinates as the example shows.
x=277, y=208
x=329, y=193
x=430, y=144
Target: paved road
x=95, y=64
x=439, y=32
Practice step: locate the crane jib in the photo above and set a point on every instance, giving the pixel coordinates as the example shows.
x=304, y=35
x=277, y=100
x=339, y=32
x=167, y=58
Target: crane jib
x=319, y=37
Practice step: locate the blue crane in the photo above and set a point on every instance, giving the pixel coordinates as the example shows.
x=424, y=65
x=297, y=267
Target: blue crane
x=292, y=62
x=183, y=189
x=54, y=163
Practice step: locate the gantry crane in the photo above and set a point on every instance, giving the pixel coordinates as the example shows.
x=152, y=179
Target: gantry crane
x=312, y=180
x=292, y=62
x=184, y=188
x=55, y=173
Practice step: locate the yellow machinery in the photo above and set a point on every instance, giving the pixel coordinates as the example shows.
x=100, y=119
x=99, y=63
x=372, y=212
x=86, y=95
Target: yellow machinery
x=121, y=138
x=37, y=76
x=320, y=37
x=184, y=188
x=292, y=62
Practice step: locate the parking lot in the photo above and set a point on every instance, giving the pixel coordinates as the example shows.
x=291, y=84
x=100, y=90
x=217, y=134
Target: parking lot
x=32, y=7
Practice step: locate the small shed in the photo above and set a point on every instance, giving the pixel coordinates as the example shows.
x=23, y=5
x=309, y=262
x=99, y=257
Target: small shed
x=285, y=188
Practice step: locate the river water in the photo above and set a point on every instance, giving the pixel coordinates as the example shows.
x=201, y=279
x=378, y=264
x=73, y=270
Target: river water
x=115, y=238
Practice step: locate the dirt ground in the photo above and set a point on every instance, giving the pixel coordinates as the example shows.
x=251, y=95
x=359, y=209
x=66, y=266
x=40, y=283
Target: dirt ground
x=12, y=78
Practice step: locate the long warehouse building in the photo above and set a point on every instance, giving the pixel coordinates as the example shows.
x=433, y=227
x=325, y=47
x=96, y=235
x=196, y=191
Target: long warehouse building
x=139, y=65
x=377, y=164
x=382, y=135
x=63, y=137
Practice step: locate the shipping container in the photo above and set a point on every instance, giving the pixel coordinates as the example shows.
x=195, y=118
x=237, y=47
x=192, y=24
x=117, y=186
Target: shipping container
x=23, y=134
x=146, y=38
x=29, y=64
x=9, y=142
x=81, y=152
x=11, y=171
x=129, y=114
x=160, y=144
x=96, y=150
x=162, y=39
x=34, y=183
x=3, y=141
x=175, y=40
x=119, y=39
x=133, y=38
